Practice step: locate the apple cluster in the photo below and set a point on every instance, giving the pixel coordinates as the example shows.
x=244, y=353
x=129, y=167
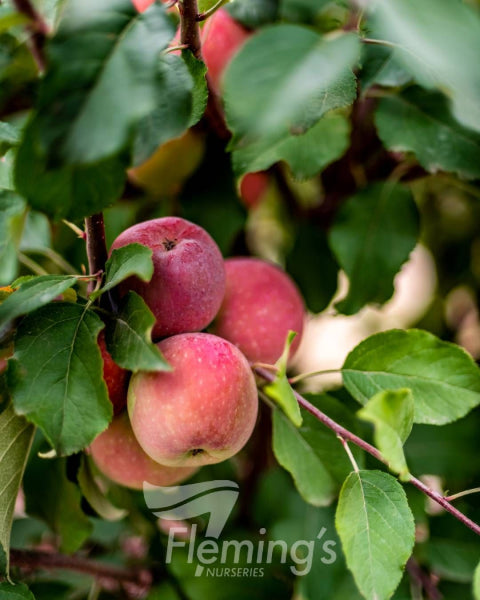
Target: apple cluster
x=213, y=318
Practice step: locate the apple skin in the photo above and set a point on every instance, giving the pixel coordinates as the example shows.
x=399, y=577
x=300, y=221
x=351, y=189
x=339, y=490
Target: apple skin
x=203, y=411
x=166, y=170
x=261, y=305
x=119, y=456
x=115, y=377
x=188, y=282
x=222, y=37
x=253, y=187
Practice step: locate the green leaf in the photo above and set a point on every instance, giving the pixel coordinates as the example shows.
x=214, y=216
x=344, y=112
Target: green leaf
x=16, y=437
x=280, y=390
x=102, y=78
x=19, y=591
x=9, y=137
x=453, y=560
x=33, y=294
x=443, y=378
x=377, y=531
x=446, y=58
x=83, y=190
x=420, y=122
x=380, y=66
x=301, y=77
x=313, y=266
x=96, y=498
x=302, y=11
x=306, y=154
x=55, y=376
x=371, y=237
x=133, y=259
x=12, y=215
x=198, y=70
x=391, y=412
x=172, y=113
x=129, y=340
x=254, y=13
x=312, y=454
x=53, y=498
x=476, y=583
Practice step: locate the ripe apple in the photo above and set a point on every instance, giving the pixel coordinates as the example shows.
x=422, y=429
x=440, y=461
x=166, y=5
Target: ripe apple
x=118, y=455
x=188, y=282
x=167, y=169
x=253, y=186
x=261, y=305
x=115, y=377
x=203, y=411
x=222, y=37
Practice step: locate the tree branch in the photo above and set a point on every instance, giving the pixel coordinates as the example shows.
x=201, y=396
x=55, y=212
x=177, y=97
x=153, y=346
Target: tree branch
x=351, y=437
x=189, y=31
x=38, y=29
x=96, y=246
x=115, y=576
x=424, y=580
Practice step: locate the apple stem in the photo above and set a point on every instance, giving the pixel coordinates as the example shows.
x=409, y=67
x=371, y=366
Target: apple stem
x=347, y=435
x=189, y=31
x=38, y=29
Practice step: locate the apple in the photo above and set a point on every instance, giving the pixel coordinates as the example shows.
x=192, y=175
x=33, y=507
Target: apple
x=188, y=282
x=172, y=163
x=253, y=187
x=119, y=456
x=222, y=37
x=261, y=305
x=115, y=377
x=203, y=411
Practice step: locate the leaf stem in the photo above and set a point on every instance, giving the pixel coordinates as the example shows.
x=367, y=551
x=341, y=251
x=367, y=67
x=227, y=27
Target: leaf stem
x=346, y=447
x=211, y=10
x=189, y=31
x=351, y=437
x=303, y=376
x=461, y=494
x=40, y=559
x=31, y=264
x=38, y=29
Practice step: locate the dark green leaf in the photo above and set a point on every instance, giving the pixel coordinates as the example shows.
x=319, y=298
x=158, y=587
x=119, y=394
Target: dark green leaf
x=102, y=78
x=254, y=13
x=173, y=109
x=380, y=66
x=443, y=378
x=301, y=77
x=372, y=236
x=16, y=437
x=302, y=11
x=198, y=71
x=134, y=259
x=454, y=560
x=377, y=531
x=32, y=294
x=391, y=413
x=313, y=266
x=420, y=122
x=129, y=339
x=95, y=496
x=53, y=498
x=12, y=214
x=306, y=154
x=55, y=376
x=70, y=192
x=9, y=137
x=19, y=591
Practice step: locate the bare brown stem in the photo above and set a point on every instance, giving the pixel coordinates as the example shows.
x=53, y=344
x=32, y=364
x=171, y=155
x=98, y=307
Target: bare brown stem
x=347, y=435
x=96, y=247
x=189, y=31
x=423, y=579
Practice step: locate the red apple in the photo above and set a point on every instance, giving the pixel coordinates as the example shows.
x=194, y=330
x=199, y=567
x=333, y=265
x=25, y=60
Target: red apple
x=253, y=186
x=261, y=305
x=118, y=455
x=115, y=377
x=201, y=412
x=188, y=282
x=222, y=37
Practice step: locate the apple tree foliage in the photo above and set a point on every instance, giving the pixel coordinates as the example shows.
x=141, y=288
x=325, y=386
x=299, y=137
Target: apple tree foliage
x=366, y=118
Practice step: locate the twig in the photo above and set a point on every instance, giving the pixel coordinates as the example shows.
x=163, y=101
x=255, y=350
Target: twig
x=41, y=559
x=351, y=437
x=96, y=246
x=423, y=580
x=211, y=10
x=38, y=29
x=189, y=31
